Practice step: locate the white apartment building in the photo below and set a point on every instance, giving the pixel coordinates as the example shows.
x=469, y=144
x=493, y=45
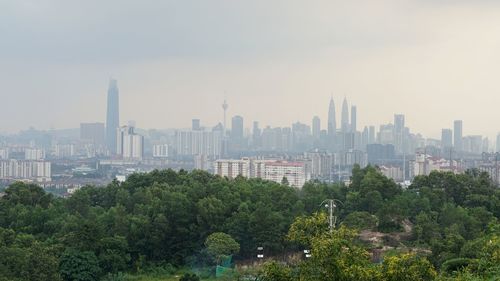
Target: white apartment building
x=392, y=172
x=296, y=173
x=160, y=151
x=198, y=143
x=129, y=144
x=4, y=153
x=64, y=150
x=34, y=154
x=425, y=164
x=39, y=171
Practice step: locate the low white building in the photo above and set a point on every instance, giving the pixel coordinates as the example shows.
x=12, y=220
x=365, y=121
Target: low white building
x=296, y=173
x=39, y=171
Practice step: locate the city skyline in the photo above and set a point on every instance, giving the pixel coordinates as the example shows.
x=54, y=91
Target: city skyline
x=432, y=75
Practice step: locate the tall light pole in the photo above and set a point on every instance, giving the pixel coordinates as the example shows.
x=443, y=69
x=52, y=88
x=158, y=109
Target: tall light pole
x=330, y=204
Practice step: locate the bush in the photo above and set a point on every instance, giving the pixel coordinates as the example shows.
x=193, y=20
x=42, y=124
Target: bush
x=189, y=277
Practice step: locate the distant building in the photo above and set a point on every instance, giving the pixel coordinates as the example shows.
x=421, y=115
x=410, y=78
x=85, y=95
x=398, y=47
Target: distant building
x=34, y=154
x=4, y=153
x=458, y=135
x=296, y=173
x=446, y=139
x=129, y=144
x=39, y=171
x=354, y=118
x=332, y=125
x=93, y=133
x=322, y=164
x=316, y=127
x=237, y=127
x=380, y=153
x=160, y=150
x=399, y=128
x=392, y=172
x=191, y=143
x=113, y=116
x=424, y=164
x=64, y=151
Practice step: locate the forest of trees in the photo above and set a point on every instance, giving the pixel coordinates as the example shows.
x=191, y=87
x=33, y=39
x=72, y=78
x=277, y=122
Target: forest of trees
x=163, y=219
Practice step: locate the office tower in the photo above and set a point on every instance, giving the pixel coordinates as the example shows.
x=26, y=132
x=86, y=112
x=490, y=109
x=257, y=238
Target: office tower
x=332, y=122
x=354, y=112
x=498, y=143
x=344, y=122
x=446, y=139
x=129, y=144
x=93, y=132
x=371, y=134
x=316, y=127
x=113, y=115
x=195, y=125
x=365, y=138
x=399, y=126
x=256, y=135
x=457, y=137
x=225, y=106
x=237, y=127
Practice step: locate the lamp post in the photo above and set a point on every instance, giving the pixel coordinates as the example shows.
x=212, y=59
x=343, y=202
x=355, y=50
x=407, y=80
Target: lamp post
x=331, y=205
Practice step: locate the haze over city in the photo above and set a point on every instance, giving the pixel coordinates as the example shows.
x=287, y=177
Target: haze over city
x=276, y=62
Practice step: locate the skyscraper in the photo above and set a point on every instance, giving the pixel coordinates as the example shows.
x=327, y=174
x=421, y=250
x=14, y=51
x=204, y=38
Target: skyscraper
x=354, y=112
x=113, y=116
x=344, y=121
x=332, y=122
x=237, y=128
x=457, y=136
x=399, y=126
x=446, y=139
x=316, y=127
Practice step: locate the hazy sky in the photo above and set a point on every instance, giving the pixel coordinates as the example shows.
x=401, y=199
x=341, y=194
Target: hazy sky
x=278, y=61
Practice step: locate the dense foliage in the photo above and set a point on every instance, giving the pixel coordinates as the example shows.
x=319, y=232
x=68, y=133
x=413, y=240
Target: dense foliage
x=163, y=219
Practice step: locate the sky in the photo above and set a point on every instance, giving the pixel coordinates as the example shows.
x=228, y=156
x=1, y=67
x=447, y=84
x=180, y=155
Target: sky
x=276, y=62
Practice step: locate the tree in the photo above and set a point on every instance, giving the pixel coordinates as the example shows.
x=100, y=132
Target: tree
x=79, y=266
x=408, y=267
x=221, y=245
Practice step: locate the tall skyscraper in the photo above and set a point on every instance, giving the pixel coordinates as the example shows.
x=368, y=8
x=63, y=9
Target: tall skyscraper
x=399, y=126
x=113, y=116
x=457, y=136
x=354, y=113
x=316, y=127
x=446, y=139
x=332, y=122
x=344, y=121
x=371, y=134
x=237, y=127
